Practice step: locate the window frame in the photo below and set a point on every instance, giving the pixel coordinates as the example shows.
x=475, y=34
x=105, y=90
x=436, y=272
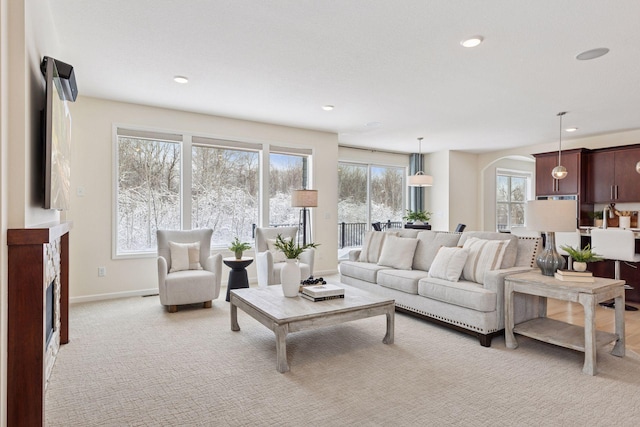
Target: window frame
x=511, y=173
x=186, y=141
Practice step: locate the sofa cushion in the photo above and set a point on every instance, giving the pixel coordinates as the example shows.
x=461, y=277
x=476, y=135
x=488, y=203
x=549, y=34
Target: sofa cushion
x=365, y=271
x=405, y=232
x=397, y=252
x=401, y=280
x=484, y=255
x=449, y=263
x=428, y=244
x=509, y=259
x=464, y=294
x=372, y=245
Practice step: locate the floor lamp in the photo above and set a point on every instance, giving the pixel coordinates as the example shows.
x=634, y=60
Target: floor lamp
x=304, y=199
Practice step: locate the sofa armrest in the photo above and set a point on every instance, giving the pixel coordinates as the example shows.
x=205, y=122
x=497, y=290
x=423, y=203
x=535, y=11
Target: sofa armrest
x=354, y=254
x=264, y=268
x=214, y=265
x=494, y=281
x=162, y=277
x=308, y=257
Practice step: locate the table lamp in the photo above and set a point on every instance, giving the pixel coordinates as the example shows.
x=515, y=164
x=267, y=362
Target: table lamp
x=549, y=216
x=305, y=199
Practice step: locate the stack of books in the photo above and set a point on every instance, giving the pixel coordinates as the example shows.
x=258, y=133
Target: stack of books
x=322, y=292
x=574, y=276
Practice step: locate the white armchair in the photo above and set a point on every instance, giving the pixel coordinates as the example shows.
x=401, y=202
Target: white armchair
x=267, y=267
x=197, y=281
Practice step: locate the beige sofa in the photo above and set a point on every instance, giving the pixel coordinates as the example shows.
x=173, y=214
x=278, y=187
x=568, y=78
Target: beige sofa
x=407, y=266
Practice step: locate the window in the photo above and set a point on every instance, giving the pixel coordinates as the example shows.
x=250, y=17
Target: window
x=368, y=193
x=511, y=196
x=172, y=181
x=224, y=192
x=148, y=190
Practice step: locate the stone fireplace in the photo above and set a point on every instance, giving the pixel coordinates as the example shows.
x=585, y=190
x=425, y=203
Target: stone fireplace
x=38, y=314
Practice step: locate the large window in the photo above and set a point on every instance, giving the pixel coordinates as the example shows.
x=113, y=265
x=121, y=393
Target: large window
x=367, y=194
x=148, y=191
x=171, y=181
x=511, y=196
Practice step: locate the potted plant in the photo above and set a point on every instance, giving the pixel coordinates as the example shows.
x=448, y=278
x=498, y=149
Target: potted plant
x=596, y=217
x=417, y=217
x=581, y=256
x=237, y=247
x=290, y=273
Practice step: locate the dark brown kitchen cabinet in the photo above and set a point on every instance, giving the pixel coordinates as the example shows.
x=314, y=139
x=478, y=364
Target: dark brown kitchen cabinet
x=612, y=176
x=546, y=185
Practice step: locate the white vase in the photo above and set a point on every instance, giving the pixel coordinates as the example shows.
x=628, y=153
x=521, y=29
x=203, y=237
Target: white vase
x=290, y=278
x=579, y=266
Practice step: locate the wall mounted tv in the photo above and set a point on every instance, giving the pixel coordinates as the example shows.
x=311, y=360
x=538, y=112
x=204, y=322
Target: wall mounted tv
x=60, y=88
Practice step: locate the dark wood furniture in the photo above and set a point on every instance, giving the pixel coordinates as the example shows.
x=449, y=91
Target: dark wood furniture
x=34, y=254
x=418, y=226
x=611, y=175
x=238, y=278
x=574, y=184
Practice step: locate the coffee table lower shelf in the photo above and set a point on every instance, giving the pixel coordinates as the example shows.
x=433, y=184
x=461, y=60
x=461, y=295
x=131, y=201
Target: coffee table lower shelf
x=560, y=333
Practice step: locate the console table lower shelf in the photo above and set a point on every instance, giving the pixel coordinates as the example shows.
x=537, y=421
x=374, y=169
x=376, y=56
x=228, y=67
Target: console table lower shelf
x=585, y=339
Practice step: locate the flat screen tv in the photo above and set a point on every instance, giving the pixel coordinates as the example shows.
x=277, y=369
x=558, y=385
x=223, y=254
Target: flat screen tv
x=57, y=139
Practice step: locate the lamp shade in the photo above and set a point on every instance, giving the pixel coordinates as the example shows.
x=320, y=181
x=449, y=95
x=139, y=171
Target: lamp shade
x=551, y=215
x=304, y=199
x=420, y=180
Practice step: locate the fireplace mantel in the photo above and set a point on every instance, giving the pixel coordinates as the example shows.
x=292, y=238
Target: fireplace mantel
x=38, y=258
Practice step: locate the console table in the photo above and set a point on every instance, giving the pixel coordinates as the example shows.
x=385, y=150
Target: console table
x=585, y=339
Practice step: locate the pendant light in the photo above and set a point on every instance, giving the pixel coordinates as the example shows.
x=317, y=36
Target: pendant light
x=420, y=179
x=560, y=172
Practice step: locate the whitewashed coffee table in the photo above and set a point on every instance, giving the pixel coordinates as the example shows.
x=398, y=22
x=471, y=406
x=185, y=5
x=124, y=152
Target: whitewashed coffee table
x=585, y=339
x=284, y=315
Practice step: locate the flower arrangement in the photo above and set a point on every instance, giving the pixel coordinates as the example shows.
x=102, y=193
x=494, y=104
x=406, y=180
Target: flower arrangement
x=585, y=254
x=413, y=216
x=290, y=249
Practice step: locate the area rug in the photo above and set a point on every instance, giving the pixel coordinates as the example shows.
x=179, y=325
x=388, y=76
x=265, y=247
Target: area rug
x=131, y=363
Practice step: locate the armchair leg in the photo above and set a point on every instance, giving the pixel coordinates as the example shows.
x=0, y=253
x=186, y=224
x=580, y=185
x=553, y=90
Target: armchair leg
x=207, y=304
x=173, y=308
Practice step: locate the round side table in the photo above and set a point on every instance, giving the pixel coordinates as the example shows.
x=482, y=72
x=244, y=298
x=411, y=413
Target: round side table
x=238, y=275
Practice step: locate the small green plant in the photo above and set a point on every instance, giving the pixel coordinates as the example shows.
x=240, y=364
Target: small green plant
x=595, y=215
x=413, y=216
x=237, y=247
x=290, y=248
x=582, y=255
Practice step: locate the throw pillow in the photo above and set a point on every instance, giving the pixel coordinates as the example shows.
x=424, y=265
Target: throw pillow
x=428, y=244
x=372, y=246
x=278, y=255
x=397, y=252
x=484, y=255
x=184, y=256
x=448, y=263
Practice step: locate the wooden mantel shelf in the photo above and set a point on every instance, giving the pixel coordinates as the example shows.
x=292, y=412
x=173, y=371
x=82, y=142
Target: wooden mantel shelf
x=38, y=258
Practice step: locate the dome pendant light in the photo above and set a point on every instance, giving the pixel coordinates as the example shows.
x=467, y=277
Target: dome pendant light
x=420, y=179
x=560, y=172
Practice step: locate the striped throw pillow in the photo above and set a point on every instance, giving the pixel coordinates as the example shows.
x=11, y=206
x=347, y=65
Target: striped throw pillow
x=484, y=255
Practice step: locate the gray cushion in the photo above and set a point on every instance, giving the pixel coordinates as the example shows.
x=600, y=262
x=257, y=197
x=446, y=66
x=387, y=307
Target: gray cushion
x=401, y=280
x=464, y=294
x=361, y=270
x=428, y=244
x=509, y=259
x=397, y=252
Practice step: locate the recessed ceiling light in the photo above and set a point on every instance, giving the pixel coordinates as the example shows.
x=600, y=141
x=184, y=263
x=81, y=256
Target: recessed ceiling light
x=592, y=54
x=571, y=129
x=472, y=41
x=328, y=107
x=181, y=79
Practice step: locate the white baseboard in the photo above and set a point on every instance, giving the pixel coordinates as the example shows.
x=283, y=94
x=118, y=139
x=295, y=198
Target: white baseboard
x=114, y=295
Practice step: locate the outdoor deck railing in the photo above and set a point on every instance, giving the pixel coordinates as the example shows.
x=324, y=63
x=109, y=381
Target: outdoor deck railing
x=351, y=233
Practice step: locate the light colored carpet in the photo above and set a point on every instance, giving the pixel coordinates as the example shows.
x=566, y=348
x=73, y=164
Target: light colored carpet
x=131, y=363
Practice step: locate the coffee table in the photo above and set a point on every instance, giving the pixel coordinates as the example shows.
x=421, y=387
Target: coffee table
x=553, y=331
x=283, y=315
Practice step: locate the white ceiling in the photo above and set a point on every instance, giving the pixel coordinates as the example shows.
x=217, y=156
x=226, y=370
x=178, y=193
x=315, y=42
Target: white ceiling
x=395, y=64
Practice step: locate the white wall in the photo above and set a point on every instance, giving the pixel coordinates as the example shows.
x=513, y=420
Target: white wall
x=92, y=166
x=463, y=190
x=437, y=196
